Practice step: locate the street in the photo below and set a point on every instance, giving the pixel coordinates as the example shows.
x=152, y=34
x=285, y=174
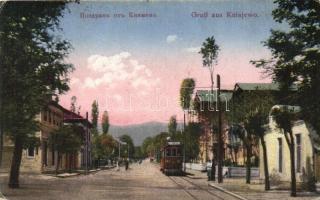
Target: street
x=143, y=181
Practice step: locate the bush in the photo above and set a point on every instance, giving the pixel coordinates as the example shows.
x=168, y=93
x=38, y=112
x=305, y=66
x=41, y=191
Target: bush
x=275, y=178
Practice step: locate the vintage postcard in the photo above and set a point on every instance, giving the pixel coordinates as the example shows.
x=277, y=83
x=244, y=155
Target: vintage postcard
x=152, y=99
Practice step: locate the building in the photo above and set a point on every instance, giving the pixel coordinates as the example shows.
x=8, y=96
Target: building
x=41, y=157
x=207, y=115
x=307, y=157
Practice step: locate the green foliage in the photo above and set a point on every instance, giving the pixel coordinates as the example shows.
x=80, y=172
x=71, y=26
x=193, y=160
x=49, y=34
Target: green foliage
x=193, y=131
x=32, y=70
x=209, y=52
x=105, y=122
x=172, y=126
x=296, y=55
x=94, y=114
x=67, y=139
x=103, y=146
x=186, y=91
x=284, y=117
x=129, y=146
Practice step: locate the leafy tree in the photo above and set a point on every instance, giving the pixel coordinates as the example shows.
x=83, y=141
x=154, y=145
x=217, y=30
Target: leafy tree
x=130, y=146
x=66, y=140
x=209, y=52
x=296, y=57
x=73, y=104
x=250, y=110
x=33, y=69
x=172, y=126
x=105, y=122
x=186, y=91
x=147, y=146
x=95, y=114
x=284, y=117
x=193, y=131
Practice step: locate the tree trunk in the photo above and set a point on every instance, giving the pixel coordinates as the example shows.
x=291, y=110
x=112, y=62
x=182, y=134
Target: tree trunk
x=265, y=164
x=293, y=168
x=248, y=164
x=58, y=163
x=213, y=170
x=15, y=164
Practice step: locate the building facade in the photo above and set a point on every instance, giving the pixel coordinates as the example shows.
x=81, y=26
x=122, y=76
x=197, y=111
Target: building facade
x=307, y=159
x=41, y=157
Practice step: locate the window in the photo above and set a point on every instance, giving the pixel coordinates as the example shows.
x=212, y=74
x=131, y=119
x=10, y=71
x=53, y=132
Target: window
x=298, y=142
x=280, y=154
x=44, y=160
x=30, y=152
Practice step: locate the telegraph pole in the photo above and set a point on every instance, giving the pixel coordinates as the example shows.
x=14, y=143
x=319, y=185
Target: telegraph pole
x=184, y=138
x=220, y=142
x=87, y=143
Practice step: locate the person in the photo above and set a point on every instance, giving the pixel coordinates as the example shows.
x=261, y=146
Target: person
x=127, y=164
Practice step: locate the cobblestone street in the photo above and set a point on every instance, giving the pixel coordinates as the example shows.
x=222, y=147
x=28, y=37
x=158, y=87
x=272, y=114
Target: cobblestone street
x=143, y=181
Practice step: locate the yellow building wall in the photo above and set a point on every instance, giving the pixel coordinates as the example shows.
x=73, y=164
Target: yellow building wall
x=271, y=139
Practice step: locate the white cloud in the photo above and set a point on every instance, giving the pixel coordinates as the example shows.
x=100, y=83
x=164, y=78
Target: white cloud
x=171, y=38
x=192, y=49
x=116, y=70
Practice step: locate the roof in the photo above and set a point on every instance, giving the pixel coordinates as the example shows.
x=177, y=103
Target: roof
x=69, y=116
x=259, y=86
x=207, y=95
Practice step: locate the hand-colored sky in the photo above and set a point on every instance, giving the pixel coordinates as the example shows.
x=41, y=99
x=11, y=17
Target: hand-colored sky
x=142, y=61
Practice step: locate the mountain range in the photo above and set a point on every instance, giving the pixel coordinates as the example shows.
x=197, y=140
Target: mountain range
x=138, y=132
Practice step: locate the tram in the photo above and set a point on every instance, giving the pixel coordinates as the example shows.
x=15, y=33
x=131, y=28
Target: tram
x=171, y=159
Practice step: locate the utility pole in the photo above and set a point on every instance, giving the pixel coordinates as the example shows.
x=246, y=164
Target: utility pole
x=184, y=139
x=87, y=142
x=220, y=142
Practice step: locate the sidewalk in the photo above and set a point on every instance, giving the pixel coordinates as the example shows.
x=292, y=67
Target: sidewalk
x=253, y=191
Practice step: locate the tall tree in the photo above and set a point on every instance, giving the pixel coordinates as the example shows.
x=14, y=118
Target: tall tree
x=95, y=114
x=209, y=52
x=105, y=122
x=186, y=91
x=73, y=104
x=250, y=112
x=66, y=140
x=172, y=126
x=284, y=117
x=130, y=146
x=296, y=57
x=33, y=69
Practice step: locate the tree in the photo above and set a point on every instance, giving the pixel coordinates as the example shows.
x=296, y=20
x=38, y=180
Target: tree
x=284, y=117
x=95, y=114
x=33, y=69
x=249, y=114
x=66, y=140
x=172, y=126
x=193, y=131
x=105, y=122
x=73, y=104
x=209, y=52
x=130, y=146
x=186, y=91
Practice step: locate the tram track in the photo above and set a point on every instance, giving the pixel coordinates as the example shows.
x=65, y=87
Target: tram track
x=198, y=188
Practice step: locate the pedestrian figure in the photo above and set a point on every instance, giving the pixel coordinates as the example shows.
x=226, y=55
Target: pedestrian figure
x=127, y=164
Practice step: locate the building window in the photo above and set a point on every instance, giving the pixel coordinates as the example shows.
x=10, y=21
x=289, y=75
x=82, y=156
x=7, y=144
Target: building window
x=280, y=155
x=298, y=142
x=44, y=159
x=30, y=152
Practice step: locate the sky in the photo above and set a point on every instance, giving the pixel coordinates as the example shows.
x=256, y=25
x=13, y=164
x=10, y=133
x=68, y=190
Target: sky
x=133, y=66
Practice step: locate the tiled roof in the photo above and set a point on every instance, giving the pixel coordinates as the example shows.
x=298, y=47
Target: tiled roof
x=259, y=86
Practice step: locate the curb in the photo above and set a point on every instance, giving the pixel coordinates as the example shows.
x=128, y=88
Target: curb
x=226, y=191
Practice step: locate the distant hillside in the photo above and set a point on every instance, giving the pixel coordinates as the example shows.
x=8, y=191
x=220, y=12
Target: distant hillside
x=139, y=132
